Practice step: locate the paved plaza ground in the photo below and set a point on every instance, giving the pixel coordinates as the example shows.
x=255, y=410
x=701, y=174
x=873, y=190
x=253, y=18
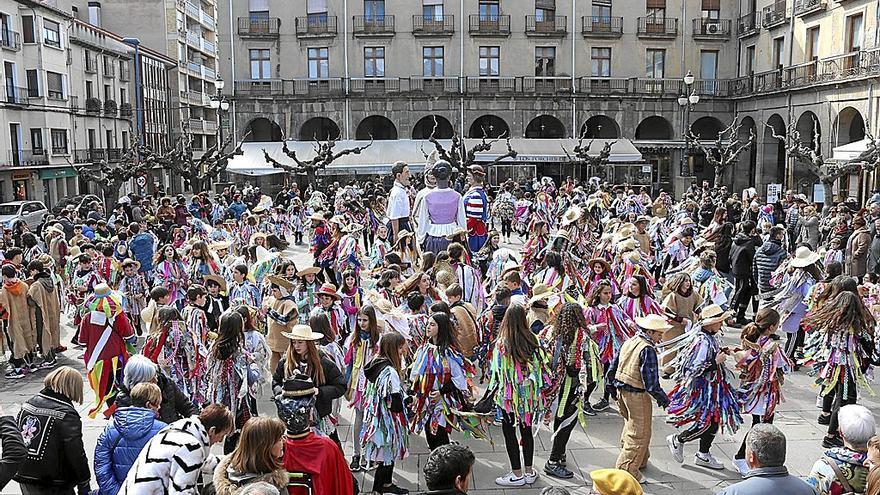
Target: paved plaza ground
x=593, y=447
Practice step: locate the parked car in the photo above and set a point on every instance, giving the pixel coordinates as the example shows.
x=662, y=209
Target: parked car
x=80, y=202
x=29, y=212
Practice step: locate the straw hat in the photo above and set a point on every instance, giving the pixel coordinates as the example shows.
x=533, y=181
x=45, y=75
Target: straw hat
x=572, y=215
x=352, y=228
x=299, y=386
x=217, y=279
x=602, y=262
x=220, y=245
x=654, y=322
x=615, y=482
x=302, y=332
x=54, y=229
x=445, y=278
x=685, y=221
x=804, y=257
x=458, y=231
x=328, y=290
x=312, y=270
x=102, y=290
x=316, y=216
x=540, y=292
x=130, y=262
x=280, y=282
x=642, y=218
x=712, y=314
x=403, y=234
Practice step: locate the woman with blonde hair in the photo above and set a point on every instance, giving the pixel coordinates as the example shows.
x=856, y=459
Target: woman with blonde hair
x=52, y=431
x=258, y=457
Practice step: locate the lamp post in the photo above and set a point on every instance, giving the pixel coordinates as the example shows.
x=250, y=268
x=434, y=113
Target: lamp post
x=221, y=105
x=687, y=101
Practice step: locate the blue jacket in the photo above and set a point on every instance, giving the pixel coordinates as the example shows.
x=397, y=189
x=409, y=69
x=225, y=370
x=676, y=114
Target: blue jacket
x=121, y=443
x=237, y=208
x=141, y=248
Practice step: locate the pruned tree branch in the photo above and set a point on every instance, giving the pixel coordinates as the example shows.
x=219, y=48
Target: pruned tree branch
x=723, y=155
x=324, y=156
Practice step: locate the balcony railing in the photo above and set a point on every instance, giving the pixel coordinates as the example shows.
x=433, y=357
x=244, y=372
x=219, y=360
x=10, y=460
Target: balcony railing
x=657, y=27
x=547, y=26
x=708, y=28
x=443, y=25
x=435, y=85
x=774, y=15
x=547, y=85
x=10, y=40
x=747, y=25
x=802, y=74
x=375, y=85
x=28, y=158
x=316, y=26
x=597, y=26
x=648, y=86
x=258, y=87
x=97, y=154
x=315, y=87
x=16, y=95
x=254, y=27
x=491, y=84
x=489, y=25
x=373, y=25
x=196, y=124
x=603, y=85
x=804, y=7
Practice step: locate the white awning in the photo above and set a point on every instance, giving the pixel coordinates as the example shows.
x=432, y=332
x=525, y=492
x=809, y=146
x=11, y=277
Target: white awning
x=379, y=157
x=851, y=150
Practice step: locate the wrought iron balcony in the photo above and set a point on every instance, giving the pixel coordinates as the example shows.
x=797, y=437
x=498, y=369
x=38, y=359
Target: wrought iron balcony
x=10, y=40
x=603, y=85
x=443, y=25
x=489, y=25
x=711, y=29
x=774, y=15
x=547, y=85
x=804, y=7
x=256, y=27
x=316, y=26
x=16, y=95
x=549, y=27
x=657, y=27
x=490, y=84
x=748, y=25
x=602, y=27
x=373, y=25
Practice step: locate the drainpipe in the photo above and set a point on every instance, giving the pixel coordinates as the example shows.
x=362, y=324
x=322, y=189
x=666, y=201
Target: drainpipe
x=346, y=83
x=789, y=176
x=461, y=78
x=231, y=62
x=682, y=71
x=574, y=130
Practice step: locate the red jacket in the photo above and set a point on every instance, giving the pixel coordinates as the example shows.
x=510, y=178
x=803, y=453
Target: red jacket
x=90, y=335
x=321, y=458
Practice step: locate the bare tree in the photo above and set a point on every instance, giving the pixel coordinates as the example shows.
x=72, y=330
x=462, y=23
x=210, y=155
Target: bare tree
x=324, y=156
x=197, y=173
x=460, y=157
x=580, y=154
x=110, y=176
x=827, y=171
x=723, y=155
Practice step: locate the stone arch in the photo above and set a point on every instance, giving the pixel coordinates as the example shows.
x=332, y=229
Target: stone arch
x=425, y=125
x=773, y=151
x=600, y=127
x=490, y=125
x=263, y=130
x=376, y=127
x=707, y=128
x=654, y=127
x=849, y=126
x=810, y=129
x=319, y=128
x=545, y=127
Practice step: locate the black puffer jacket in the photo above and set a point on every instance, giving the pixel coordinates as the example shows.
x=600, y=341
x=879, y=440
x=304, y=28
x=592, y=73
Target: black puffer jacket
x=333, y=388
x=174, y=406
x=52, y=433
x=742, y=253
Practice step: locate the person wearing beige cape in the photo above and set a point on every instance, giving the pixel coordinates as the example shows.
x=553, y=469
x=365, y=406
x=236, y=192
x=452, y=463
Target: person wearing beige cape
x=281, y=315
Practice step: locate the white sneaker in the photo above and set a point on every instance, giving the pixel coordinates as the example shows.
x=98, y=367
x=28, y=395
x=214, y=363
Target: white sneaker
x=510, y=479
x=707, y=460
x=741, y=466
x=676, y=448
x=531, y=478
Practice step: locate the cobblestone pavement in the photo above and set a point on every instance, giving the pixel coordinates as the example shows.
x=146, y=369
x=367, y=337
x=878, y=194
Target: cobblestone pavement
x=593, y=447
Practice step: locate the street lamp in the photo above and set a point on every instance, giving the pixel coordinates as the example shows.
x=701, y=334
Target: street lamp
x=221, y=105
x=687, y=101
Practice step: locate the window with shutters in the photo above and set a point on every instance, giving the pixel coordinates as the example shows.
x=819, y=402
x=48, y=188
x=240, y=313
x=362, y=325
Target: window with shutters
x=59, y=141
x=319, y=63
x=545, y=10
x=489, y=10
x=316, y=11
x=51, y=33
x=258, y=10
x=33, y=82
x=27, y=29
x=54, y=85
x=432, y=10
x=374, y=61
x=37, y=141
x=601, y=9
x=601, y=61
x=432, y=61
x=260, y=64
x=711, y=9
x=655, y=9
x=545, y=61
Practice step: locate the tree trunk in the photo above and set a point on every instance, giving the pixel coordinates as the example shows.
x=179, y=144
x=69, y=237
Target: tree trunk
x=111, y=196
x=311, y=176
x=828, y=187
x=719, y=176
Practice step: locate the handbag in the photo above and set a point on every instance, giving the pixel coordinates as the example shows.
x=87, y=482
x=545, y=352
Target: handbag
x=486, y=404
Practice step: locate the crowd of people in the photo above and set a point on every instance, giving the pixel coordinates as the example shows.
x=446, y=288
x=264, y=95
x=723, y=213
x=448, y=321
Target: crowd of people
x=441, y=309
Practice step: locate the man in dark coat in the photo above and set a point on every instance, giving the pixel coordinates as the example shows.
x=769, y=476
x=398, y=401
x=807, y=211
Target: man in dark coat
x=742, y=254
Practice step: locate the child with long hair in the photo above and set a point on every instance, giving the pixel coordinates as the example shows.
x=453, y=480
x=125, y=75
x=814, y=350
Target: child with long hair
x=764, y=365
x=638, y=299
x=574, y=354
x=795, y=286
x=361, y=348
x=553, y=273
x=841, y=354
x=202, y=261
x=600, y=271
x=611, y=327
x=304, y=356
x=352, y=296
x=258, y=457
x=680, y=303
x=520, y=372
x=442, y=381
x=389, y=279
x=170, y=272
x=173, y=348
x=407, y=248
x=384, y=435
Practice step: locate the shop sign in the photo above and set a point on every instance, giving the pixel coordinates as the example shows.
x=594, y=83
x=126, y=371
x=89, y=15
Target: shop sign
x=57, y=173
x=21, y=175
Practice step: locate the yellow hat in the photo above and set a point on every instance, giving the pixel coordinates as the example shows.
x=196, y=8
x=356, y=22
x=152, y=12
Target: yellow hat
x=615, y=482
